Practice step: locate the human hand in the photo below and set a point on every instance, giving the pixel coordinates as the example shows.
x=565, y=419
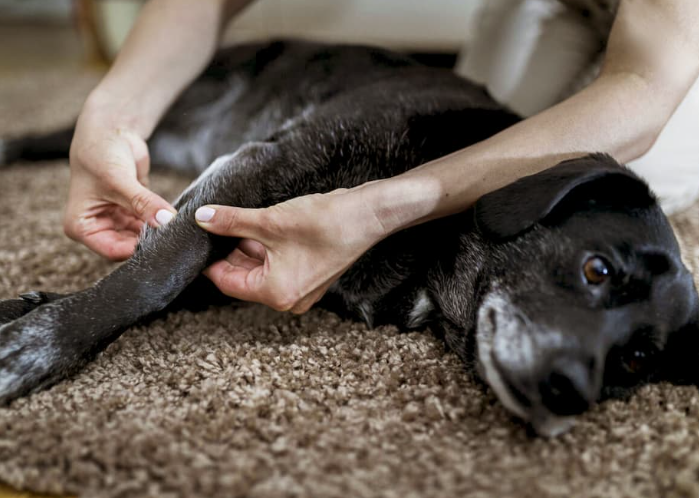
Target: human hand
x=291, y=253
x=108, y=200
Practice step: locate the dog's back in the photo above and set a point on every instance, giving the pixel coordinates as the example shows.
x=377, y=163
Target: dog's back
x=254, y=92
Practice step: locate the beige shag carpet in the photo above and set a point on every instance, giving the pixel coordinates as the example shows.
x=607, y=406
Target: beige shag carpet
x=248, y=402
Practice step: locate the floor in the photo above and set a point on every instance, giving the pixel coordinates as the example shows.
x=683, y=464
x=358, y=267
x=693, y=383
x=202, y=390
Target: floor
x=6, y=492
x=25, y=47
x=312, y=402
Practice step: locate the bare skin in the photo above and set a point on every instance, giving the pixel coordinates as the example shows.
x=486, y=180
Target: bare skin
x=109, y=201
x=295, y=250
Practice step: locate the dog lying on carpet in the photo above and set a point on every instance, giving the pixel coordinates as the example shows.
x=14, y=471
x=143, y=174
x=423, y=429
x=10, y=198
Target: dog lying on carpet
x=559, y=290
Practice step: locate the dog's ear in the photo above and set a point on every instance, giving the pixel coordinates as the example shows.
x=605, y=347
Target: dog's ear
x=513, y=209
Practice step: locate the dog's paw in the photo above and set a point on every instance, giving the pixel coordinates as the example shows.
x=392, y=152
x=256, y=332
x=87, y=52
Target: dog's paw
x=31, y=355
x=12, y=309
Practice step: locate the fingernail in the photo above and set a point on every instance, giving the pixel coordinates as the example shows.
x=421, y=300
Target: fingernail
x=163, y=217
x=204, y=213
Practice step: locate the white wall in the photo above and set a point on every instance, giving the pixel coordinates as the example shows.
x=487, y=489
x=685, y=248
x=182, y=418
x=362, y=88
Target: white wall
x=421, y=25
x=30, y=10
x=436, y=25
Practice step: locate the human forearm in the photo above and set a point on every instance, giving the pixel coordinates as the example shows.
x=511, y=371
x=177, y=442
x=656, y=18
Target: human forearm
x=593, y=120
x=621, y=113
x=167, y=48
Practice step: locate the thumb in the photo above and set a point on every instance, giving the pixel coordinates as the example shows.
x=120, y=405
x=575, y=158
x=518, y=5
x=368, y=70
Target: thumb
x=232, y=221
x=147, y=205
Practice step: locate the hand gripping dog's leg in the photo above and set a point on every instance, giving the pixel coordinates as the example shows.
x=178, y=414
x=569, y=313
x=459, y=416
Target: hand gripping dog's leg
x=55, y=339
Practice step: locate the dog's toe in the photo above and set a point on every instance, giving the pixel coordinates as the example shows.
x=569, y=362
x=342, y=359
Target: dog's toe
x=27, y=359
x=35, y=297
x=12, y=309
x=40, y=348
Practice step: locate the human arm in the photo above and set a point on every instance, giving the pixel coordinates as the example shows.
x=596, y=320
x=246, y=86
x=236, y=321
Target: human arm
x=652, y=60
x=108, y=200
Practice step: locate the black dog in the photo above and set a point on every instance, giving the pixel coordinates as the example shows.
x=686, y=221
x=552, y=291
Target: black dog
x=561, y=289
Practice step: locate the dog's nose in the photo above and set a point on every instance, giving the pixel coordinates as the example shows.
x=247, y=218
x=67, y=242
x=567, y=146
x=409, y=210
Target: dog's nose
x=568, y=389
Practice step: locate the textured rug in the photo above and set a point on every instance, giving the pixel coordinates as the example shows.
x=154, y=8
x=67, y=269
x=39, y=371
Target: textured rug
x=248, y=402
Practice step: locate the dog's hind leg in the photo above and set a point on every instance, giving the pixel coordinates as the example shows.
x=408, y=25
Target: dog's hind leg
x=56, y=338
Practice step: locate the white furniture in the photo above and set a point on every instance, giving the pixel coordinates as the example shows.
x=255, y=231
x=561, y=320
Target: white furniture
x=419, y=25
x=530, y=53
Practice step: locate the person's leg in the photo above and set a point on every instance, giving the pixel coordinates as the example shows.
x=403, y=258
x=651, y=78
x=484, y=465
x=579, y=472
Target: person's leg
x=529, y=53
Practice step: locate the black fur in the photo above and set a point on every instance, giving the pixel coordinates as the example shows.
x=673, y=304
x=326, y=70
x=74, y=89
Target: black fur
x=306, y=118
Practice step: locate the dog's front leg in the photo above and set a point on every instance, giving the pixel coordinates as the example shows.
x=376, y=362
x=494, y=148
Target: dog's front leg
x=12, y=309
x=55, y=339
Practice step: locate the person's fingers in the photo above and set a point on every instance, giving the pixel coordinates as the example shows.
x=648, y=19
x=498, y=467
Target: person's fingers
x=113, y=245
x=246, y=281
x=123, y=222
x=147, y=205
x=233, y=222
x=240, y=282
x=307, y=303
x=240, y=259
x=141, y=157
x=253, y=249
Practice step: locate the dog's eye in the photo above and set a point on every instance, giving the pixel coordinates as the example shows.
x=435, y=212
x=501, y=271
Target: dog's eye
x=596, y=270
x=636, y=361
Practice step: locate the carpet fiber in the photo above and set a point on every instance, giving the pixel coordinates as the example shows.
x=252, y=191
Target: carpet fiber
x=248, y=402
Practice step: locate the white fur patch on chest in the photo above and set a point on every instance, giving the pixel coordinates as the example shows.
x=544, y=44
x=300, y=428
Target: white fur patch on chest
x=367, y=311
x=422, y=307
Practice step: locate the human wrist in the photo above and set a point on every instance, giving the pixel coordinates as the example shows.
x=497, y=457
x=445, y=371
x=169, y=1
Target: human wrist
x=118, y=111
x=400, y=202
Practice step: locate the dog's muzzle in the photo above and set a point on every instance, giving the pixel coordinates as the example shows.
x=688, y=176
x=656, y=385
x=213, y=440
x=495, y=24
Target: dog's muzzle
x=539, y=374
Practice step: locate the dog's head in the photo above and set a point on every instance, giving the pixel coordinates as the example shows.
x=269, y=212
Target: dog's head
x=583, y=295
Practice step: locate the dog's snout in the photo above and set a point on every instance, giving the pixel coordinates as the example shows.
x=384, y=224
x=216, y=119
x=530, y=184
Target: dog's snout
x=568, y=387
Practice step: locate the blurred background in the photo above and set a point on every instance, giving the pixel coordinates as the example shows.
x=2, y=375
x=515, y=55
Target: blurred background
x=89, y=32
